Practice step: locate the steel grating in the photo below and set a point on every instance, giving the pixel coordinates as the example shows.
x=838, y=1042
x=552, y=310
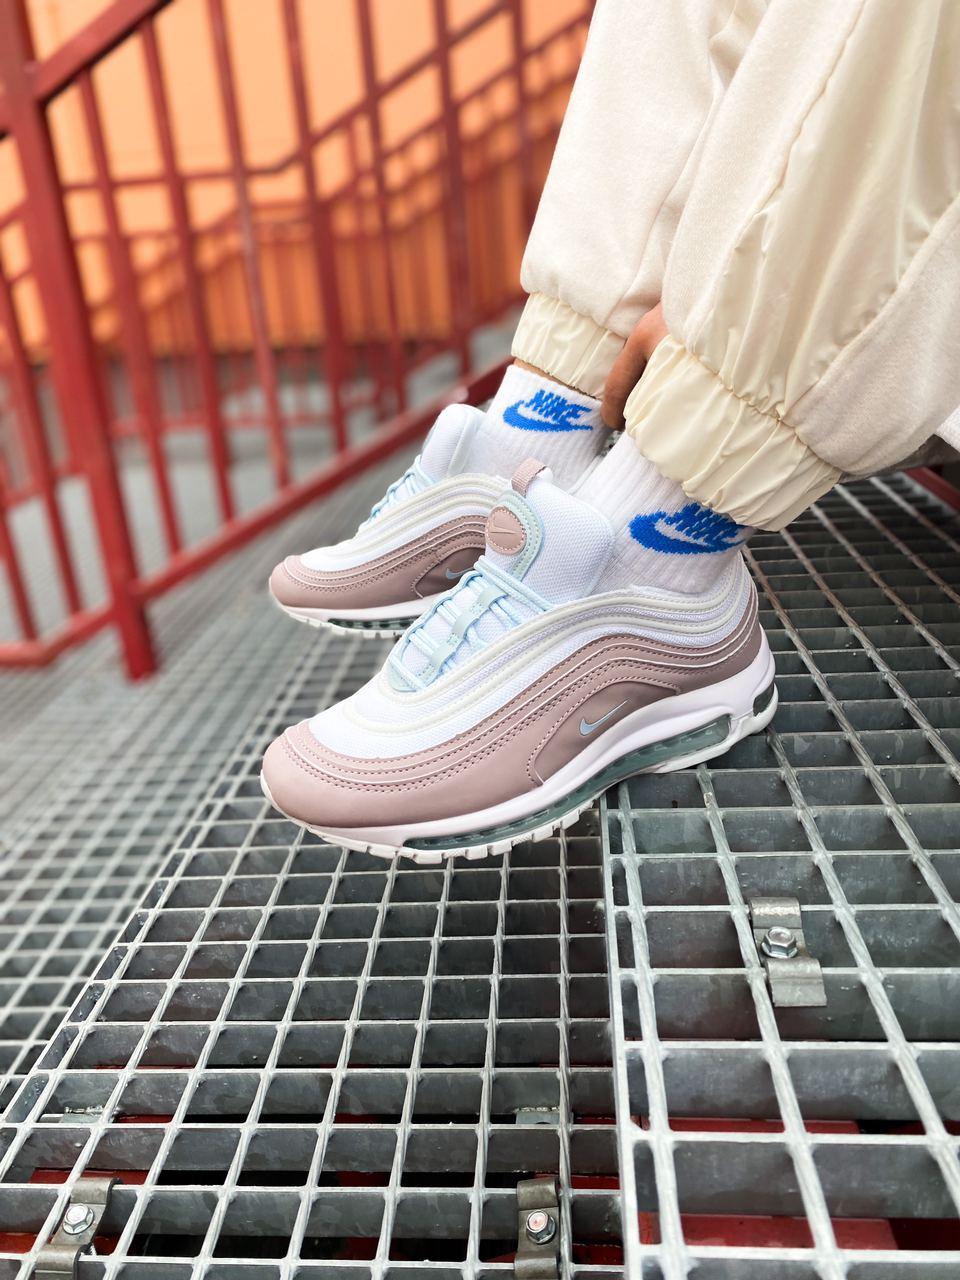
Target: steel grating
x=100, y=776
x=301, y=1063
x=792, y=1143
x=296, y=1051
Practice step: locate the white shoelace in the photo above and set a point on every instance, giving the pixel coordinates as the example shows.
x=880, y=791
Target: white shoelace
x=485, y=591
x=414, y=480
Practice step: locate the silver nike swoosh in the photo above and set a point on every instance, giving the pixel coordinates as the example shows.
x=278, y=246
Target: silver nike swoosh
x=587, y=727
x=456, y=575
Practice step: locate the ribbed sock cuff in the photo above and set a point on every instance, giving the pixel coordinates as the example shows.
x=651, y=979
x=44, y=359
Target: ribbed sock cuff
x=626, y=482
x=661, y=535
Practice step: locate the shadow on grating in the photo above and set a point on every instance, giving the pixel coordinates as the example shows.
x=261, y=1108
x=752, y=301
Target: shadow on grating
x=305, y=1063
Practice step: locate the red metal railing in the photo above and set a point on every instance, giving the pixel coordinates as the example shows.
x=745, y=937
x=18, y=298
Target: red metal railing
x=284, y=334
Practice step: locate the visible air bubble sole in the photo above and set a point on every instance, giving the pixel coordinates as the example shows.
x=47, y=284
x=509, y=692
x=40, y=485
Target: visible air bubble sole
x=376, y=628
x=635, y=762
x=669, y=754
x=370, y=626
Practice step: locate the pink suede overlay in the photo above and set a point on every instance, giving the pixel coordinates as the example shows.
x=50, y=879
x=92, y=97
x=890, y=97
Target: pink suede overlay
x=413, y=571
x=505, y=532
x=510, y=752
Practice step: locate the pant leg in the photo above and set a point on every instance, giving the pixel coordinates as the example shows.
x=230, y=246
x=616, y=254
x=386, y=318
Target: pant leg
x=813, y=286
x=653, y=75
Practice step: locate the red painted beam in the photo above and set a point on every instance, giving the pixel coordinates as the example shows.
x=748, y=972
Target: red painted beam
x=90, y=44
x=936, y=484
x=40, y=653
x=73, y=352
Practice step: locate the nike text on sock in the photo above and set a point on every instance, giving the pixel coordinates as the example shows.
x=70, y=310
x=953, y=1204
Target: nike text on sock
x=662, y=537
x=533, y=416
x=547, y=411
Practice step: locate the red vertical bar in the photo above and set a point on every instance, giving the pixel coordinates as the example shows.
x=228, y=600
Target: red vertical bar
x=288, y=240
x=273, y=243
x=34, y=439
x=368, y=323
x=73, y=351
x=133, y=336
x=528, y=187
x=182, y=370
x=206, y=363
x=318, y=214
x=265, y=364
x=417, y=241
x=458, y=258
x=8, y=553
x=493, y=219
x=372, y=102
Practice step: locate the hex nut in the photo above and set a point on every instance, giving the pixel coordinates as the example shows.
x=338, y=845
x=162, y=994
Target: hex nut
x=779, y=942
x=77, y=1219
x=541, y=1226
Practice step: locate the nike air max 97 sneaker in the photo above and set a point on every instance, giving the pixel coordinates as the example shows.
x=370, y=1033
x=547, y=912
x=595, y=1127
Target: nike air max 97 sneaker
x=535, y=683
x=425, y=532
x=428, y=528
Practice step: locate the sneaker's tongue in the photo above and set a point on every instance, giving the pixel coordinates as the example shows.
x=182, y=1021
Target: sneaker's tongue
x=574, y=539
x=454, y=426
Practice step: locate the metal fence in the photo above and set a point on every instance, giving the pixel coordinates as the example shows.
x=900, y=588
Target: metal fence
x=267, y=341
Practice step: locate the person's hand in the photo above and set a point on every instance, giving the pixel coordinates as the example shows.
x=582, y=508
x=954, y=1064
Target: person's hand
x=630, y=364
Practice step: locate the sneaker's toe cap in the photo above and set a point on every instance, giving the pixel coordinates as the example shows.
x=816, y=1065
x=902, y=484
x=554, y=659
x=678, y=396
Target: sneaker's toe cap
x=295, y=586
x=301, y=790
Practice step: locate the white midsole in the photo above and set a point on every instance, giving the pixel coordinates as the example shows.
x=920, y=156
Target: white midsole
x=371, y=613
x=662, y=719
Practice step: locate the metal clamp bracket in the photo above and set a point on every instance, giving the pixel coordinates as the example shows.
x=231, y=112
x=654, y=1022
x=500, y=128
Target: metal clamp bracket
x=74, y=1235
x=538, y=1230
x=795, y=978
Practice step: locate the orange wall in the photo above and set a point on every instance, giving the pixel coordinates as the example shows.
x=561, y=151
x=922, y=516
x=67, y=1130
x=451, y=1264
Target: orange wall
x=403, y=30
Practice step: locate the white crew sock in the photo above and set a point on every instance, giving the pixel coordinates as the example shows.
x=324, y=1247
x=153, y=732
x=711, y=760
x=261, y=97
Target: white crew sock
x=532, y=416
x=663, y=537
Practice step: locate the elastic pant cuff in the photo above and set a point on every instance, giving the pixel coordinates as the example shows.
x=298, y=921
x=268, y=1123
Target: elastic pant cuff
x=565, y=344
x=726, y=453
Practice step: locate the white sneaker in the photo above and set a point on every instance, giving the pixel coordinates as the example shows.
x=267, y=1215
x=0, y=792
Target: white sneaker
x=421, y=537
x=523, y=693
x=427, y=530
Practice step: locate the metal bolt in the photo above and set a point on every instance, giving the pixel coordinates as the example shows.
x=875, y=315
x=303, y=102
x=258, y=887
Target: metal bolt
x=77, y=1219
x=541, y=1226
x=779, y=942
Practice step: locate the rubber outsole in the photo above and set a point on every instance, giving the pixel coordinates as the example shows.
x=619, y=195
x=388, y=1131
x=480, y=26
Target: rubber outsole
x=475, y=846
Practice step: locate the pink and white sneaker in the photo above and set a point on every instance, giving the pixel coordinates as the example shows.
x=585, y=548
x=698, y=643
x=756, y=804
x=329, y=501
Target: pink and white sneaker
x=428, y=529
x=525, y=691
x=420, y=538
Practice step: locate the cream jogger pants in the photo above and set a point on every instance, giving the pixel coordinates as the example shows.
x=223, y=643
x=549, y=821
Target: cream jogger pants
x=785, y=176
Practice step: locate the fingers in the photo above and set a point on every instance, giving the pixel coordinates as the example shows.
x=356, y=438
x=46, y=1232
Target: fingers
x=621, y=380
x=629, y=366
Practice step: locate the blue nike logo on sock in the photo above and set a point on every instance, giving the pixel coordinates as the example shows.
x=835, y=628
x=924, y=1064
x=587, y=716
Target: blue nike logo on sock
x=693, y=530
x=547, y=411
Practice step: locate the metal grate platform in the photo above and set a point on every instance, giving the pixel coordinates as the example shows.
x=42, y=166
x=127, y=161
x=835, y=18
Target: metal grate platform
x=301, y=1063
x=762, y=1142
x=98, y=777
